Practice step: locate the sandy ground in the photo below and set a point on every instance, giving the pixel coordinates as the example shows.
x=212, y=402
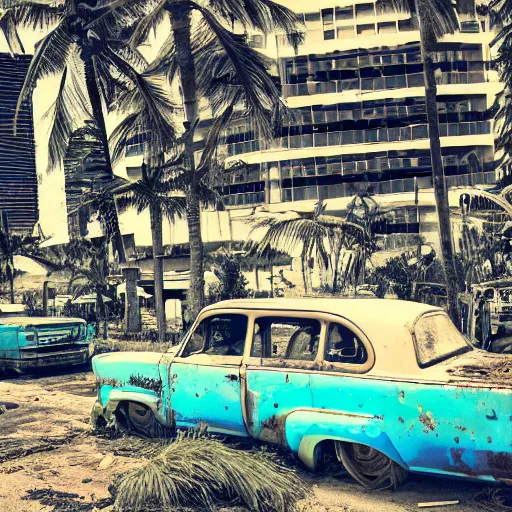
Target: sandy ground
x=55, y=409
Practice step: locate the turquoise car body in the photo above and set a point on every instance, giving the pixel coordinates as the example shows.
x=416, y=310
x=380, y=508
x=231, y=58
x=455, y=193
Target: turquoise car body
x=450, y=417
x=27, y=343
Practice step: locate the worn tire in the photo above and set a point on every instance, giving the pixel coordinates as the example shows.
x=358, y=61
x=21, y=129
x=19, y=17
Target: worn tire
x=139, y=419
x=371, y=468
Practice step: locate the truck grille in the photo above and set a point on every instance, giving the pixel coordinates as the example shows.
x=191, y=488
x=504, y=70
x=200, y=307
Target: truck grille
x=58, y=334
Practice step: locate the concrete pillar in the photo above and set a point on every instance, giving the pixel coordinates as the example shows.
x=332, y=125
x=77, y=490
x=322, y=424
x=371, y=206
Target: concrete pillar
x=132, y=320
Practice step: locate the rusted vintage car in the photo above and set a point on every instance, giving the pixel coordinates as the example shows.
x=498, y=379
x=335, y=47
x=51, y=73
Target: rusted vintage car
x=27, y=343
x=389, y=387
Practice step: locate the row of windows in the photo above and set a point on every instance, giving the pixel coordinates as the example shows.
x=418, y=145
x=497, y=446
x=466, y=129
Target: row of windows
x=373, y=109
x=309, y=65
x=380, y=83
x=342, y=164
x=333, y=191
x=337, y=138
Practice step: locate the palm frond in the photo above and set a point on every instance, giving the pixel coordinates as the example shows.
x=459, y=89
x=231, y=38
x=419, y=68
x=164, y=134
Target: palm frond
x=9, y=29
x=70, y=111
x=249, y=72
x=263, y=15
x=37, y=15
x=49, y=59
x=205, y=473
x=147, y=23
x=149, y=97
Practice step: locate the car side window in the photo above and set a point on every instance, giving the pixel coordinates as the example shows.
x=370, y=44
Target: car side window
x=286, y=338
x=343, y=346
x=221, y=335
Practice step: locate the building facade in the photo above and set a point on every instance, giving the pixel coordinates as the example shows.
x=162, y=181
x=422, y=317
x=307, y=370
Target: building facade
x=357, y=96
x=18, y=180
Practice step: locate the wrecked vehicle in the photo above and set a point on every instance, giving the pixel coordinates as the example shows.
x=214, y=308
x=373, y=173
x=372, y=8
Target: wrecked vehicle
x=387, y=386
x=27, y=343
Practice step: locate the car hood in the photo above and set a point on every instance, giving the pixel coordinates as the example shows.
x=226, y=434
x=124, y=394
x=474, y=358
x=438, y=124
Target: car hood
x=126, y=368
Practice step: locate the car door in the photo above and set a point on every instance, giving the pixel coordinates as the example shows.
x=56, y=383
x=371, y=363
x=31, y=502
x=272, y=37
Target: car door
x=284, y=354
x=205, y=376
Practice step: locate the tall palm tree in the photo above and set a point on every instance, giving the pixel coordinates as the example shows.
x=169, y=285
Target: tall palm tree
x=151, y=192
x=436, y=18
x=214, y=63
x=86, y=45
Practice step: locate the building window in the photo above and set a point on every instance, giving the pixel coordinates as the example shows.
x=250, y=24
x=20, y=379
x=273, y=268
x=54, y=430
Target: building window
x=406, y=25
x=344, y=13
x=312, y=20
x=366, y=30
x=328, y=23
x=363, y=10
x=345, y=32
x=387, y=27
x=385, y=7
x=256, y=41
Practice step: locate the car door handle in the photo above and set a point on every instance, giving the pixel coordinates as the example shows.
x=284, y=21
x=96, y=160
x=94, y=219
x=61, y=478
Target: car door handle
x=232, y=377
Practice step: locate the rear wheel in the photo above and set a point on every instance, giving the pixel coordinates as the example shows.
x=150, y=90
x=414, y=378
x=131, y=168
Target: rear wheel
x=371, y=468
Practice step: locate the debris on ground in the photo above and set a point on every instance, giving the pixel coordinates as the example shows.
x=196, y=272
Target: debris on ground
x=133, y=447
x=495, y=499
x=432, y=504
x=65, y=501
x=11, y=449
x=203, y=472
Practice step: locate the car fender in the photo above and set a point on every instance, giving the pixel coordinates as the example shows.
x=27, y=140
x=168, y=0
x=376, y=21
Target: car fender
x=305, y=429
x=145, y=397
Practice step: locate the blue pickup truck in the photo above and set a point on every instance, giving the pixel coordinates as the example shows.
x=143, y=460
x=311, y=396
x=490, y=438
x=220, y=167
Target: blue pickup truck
x=27, y=343
x=388, y=387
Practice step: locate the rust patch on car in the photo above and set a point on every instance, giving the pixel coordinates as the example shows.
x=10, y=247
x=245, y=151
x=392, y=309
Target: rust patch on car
x=456, y=439
x=461, y=428
x=401, y=397
x=428, y=422
x=272, y=430
x=401, y=420
x=489, y=439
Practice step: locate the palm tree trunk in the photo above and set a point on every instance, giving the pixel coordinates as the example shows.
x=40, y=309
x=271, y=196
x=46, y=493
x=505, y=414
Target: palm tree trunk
x=180, y=22
x=440, y=189
x=97, y=111
x=11, y=287
x=158, y=269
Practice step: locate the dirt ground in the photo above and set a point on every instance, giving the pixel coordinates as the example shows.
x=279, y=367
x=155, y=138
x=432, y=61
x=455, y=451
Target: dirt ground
x=53, y=411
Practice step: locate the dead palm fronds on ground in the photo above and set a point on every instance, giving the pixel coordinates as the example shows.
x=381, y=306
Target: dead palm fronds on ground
x=203, y=473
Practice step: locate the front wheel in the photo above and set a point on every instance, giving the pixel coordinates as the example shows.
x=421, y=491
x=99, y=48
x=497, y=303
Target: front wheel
x=371, y=468
x=139, y=419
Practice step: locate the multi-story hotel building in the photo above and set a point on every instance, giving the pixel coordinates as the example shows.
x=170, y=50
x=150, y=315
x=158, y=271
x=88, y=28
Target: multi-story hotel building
x=357, y=95
x=18, y=181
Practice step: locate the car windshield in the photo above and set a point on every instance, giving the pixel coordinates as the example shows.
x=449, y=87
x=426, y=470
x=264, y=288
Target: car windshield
x=436, y=338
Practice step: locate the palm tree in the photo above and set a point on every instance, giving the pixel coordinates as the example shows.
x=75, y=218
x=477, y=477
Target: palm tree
x=336, y=244
x=436, y=18
x=151, y=192
x=215, y=64
x=92, y=277
x=18, y=244
x=86, y=47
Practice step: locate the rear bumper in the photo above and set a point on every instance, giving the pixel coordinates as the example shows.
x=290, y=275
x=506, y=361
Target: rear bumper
x=48, y=360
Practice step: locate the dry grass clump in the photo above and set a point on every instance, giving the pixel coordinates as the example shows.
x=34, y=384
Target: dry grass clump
x=202, y=473
x=494, y=499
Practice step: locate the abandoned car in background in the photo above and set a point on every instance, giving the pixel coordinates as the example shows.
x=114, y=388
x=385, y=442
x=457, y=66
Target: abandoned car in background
x=27, y=343
x=389, y=387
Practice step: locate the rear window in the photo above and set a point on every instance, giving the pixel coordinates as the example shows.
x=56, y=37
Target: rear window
x=436, y=338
